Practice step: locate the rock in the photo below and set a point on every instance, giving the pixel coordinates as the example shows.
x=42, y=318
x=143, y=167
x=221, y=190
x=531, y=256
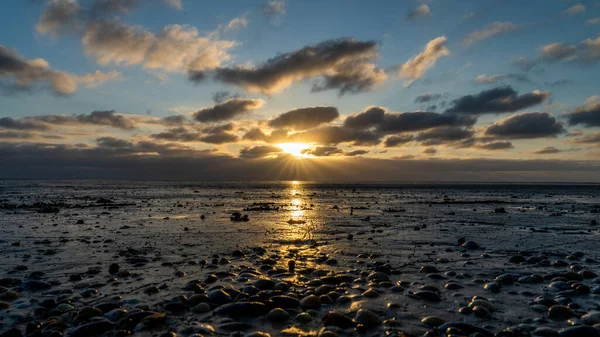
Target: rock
x=517, y=259
x=545, y=332
x=378, y=276
x=432, y=321
x=218, y=296
x=367, y=318
x=492, y=287
x=591, y=318
x=482, y=303
x=481, y=312
x=235, y=326
x=201, y=308
x=88, y=312
x=114, y=268
x=471, y=245
x=92, y=329
x=428, y=269
x=371, y=293
x=560, y=312
x=151, y=290
x=285, y=302
x=580, y=331
x=152, y=322
x=4, y=305
x=428, y=296
x=264, y=284
x=310, y=302
x=278, y=315
x=334, y=318
x=13, y=332
x=466, y=328
x=242, y=309
x=34, y=285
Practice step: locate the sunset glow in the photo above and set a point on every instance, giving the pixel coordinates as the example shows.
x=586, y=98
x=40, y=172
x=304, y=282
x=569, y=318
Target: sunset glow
x=295, y=149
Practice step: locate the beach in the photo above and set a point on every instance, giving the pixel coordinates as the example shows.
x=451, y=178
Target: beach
x=113, y=258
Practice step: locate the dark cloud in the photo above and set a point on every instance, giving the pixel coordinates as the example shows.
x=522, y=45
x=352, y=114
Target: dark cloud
x=323, y=151
x=525, y=126
x=345, y=63
x=217, y=135
x=276, y=136
x=112, y=142
x=558, y=83
x=174, y=120
x=428, y=97
x=586, y=53
x=333, y=135
x=230, y=109
x=259, y=151
x=497, y=145
x=497, y=100
x=547, y=150
x=356, y=153
x=22, y=124
x=221, y=96
x=585, y=115
x=16, y=135
x=218, y=128
x=305, y=118
x=592, y=138
x=151, y=161
x=23, y=75
x=429, y=151
x=371, y=117
x=388, y=123
x=398, y=140
x=501, y=77
x=106, y=118
x=443, y=135
x=59, y=17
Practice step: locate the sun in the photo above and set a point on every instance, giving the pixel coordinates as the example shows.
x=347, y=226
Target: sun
x=294, y=149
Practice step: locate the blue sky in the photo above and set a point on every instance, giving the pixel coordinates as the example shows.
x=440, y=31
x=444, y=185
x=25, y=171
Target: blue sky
x=482, y=44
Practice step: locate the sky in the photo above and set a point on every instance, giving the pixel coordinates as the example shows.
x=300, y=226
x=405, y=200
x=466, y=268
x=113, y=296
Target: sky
x=412, y=90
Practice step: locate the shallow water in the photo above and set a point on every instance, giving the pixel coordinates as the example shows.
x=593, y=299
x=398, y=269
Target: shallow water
x=402, y=225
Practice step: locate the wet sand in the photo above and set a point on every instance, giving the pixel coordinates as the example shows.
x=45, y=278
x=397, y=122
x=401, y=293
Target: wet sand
x=97, y=259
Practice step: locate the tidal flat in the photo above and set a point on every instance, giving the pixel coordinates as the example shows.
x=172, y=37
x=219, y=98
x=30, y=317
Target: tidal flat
x=119, y=258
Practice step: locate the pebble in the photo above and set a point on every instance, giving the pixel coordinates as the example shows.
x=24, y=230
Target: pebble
x=367, y=318
x=310, y=302
x=337, y=319
x=278, y=315
x=432, y=321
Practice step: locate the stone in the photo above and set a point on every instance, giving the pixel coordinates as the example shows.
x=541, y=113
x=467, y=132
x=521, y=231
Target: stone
x=367, y=318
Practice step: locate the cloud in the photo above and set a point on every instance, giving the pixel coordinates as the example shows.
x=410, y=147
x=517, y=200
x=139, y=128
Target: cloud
x=398, y=140
x=113, y=142
x=98, y=78
x=175, y=48
x=230, y=109
x=490, y=30
x=276, y=136
x=18, y=124
x=442, y=135
x=333, y=135
x=586, y=52
x=594, y=21
x=525, y=126
x=323, y=151
x=106, y=118
x=24, y=74
x=237, y=23
x=547, y=150
x=305, y=118
x=356, y=153
x=575, y=9
x=259, y=151
x=160, y=161
x=587, y=115
x=174, y=120
x=343, y=64
x=558, y=83
x=422, y=11
x=483, y=78
x=497, y=100
x=414, y=68
x=182, y=134
x=175, y=4
x=494, y=146
x=274, y=8
x=429, y=151
x=592, y=138
x=16, y=135
x=428, y=97
x=389, y=123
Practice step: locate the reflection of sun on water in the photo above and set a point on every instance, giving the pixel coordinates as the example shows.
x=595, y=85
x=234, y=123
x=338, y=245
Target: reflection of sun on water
x=295, y=149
